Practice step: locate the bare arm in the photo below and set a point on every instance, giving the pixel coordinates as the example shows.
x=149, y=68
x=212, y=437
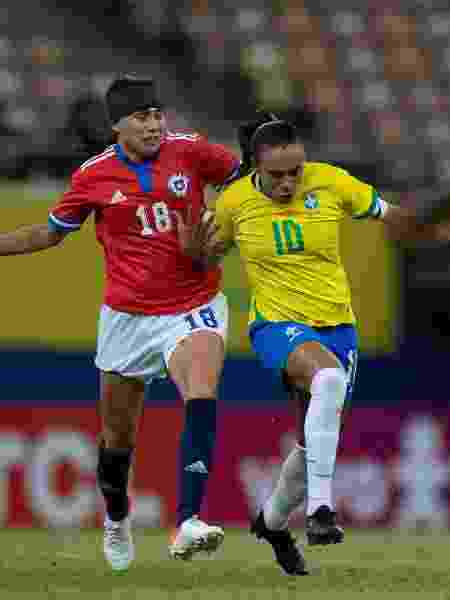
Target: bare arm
x=434, y=207
x=28, y=239
x=404, y=226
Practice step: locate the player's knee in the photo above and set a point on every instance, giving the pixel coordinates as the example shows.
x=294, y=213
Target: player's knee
x=333, y=380
x=201, y=391
x=302, y=367
x=329, y=387
x=119, y=437
x=201, y=385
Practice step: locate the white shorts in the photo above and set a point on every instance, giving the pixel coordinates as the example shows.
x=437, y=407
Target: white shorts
x=141, y=345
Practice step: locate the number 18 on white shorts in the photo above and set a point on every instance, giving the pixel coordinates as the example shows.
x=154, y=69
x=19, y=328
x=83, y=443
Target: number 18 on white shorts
x=141, y=345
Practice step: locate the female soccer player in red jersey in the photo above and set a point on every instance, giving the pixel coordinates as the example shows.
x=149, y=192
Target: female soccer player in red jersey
x=162, y=312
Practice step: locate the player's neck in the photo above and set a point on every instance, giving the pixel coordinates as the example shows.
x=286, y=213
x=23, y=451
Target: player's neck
x=132, y=155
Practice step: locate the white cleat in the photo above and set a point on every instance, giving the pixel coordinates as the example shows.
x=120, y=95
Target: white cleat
x=118, y=544
x=195, y=536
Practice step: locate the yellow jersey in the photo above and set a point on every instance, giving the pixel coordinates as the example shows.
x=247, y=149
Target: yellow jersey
x=291, y=251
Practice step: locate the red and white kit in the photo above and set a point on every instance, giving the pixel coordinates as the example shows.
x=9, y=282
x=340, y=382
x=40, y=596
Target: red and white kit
x=135, y=207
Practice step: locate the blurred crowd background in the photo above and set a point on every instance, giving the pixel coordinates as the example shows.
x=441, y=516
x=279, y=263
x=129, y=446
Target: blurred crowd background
x=365, y=81
x=367, y=84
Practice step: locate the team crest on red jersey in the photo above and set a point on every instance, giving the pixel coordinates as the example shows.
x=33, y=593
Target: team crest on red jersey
x=179, y=184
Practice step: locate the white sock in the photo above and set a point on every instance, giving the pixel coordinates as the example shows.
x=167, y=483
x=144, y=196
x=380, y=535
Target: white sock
x=322, y=424
x=289, y=492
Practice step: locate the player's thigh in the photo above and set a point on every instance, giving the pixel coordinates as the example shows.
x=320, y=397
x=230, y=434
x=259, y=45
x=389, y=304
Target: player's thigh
x=292, y=350
x=120, y=407
x=132, y=345
x=195, y=352
x=196, y=365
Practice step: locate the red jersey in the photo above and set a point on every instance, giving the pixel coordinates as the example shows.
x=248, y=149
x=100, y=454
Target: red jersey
x=134, y=204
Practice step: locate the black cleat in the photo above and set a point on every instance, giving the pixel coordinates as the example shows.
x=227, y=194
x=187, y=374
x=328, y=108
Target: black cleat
x=321, y=528
x=287, y=554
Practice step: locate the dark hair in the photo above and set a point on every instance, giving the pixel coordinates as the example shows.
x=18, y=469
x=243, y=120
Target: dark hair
x=272, y=134
x=245, y=133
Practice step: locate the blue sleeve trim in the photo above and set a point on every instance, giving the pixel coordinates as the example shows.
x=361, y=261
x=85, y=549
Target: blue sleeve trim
x=374, y=208
x=58, y=226
x=235, y=174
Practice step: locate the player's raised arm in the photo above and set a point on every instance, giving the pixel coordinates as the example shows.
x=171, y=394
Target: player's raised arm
x=404, y=226
x=362, y=200
x=28, y=239
x=433, y=207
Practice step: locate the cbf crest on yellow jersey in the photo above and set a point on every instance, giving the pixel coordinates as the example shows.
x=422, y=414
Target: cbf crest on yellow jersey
x=291, y=251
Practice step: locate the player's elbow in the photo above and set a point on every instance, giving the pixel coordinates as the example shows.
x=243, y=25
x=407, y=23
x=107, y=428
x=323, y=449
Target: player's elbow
x=40, y=237
x=55, y=238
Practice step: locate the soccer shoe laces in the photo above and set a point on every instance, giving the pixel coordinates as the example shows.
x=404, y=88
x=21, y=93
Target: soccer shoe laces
x=115, y=533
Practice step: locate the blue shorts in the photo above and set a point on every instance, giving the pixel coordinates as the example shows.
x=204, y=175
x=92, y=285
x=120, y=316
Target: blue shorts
x=274, y=341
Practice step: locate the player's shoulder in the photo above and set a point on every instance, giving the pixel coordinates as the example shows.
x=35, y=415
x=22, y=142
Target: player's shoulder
x=324, y=173
x=185, y=145
x=96, y=164
x=237, y=191
x=183, y=138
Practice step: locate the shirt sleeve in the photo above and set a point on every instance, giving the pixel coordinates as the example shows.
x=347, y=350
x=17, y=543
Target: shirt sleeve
x=218, y=166
x=74, y=207
x=224, y=218
x=360, y=200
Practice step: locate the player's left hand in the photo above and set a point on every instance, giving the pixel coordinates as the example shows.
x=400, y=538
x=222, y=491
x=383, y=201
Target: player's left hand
x=196, y=236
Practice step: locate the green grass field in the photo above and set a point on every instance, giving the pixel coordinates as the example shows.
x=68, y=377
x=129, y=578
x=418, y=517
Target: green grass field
x=39, y=564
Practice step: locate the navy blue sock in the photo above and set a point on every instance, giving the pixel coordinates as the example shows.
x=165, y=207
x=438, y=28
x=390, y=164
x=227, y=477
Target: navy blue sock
x=112, y=476
x=195, y=458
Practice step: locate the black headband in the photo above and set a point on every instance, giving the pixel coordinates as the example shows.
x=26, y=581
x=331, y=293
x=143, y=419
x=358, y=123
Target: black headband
x=129, y=94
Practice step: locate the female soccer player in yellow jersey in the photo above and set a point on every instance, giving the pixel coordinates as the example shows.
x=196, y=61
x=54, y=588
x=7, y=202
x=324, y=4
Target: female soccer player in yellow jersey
x=284, y=218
